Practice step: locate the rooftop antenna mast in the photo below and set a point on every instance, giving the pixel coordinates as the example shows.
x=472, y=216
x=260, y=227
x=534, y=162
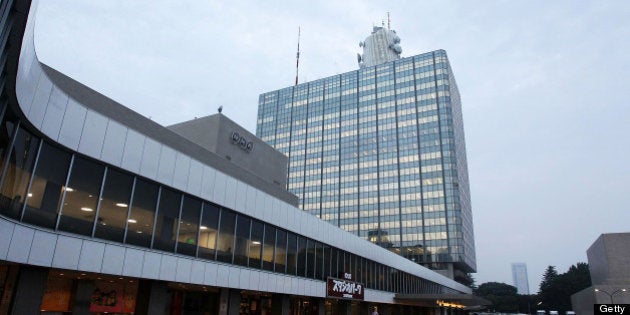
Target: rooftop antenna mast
x=388, y=21
x=297, y=57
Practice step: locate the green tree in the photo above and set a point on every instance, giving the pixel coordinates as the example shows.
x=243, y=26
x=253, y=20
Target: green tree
x=504, y=297
x=556, y=290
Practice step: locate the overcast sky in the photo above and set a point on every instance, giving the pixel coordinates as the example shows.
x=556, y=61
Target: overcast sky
x=544, y=87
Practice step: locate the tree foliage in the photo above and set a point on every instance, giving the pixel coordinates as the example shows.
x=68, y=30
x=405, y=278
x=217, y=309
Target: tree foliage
x=556, y=290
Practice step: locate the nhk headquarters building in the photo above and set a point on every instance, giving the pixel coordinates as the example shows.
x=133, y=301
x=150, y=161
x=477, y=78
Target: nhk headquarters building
x=105, y=211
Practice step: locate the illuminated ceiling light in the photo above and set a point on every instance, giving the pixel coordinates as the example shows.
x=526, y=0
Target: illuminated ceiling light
x=87, y=209
x=122, y=205
x=139, y=232
x=69, y=189
x=29, y=195
x=256, y=242
x=203, y=227
x=132, y=221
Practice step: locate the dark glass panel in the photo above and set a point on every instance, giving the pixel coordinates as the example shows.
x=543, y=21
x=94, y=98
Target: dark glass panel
x=112, y=215
x=268, y=246
x=310, y=259
x=319, y=261
x=6, y=133
x=281, y=251
x=18, y=173
x=81, y=197
x=167, y=219
x=145, y=196
x=255, y=246
x=327, y=253
x=208, y=231
x=347, y=266
x=241, y=244
x=225, y=243
x=44, y=198
x=189, y=226
x=355, y=266
x=292, y=254
x=333, y=262
x=301, y=256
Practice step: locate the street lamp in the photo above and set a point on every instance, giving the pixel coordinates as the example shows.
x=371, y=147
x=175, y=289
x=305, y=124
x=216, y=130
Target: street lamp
x=610, y=295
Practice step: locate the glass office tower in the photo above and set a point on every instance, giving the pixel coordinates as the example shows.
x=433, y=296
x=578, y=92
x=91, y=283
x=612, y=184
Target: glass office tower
x=380, y=152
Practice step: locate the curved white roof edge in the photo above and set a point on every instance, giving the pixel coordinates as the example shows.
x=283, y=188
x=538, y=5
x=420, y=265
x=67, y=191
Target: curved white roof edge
x=81, y=128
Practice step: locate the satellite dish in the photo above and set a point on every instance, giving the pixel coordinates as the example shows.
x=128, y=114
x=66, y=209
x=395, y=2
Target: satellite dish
x=220, y=108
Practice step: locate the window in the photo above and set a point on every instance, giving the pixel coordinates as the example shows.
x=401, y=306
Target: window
x=44, y=197
x=241, y=244
x=281, y=251
x=18, y=173
x=268, y=247
x=81, y=197
x=145, y=196
x=167, y=220
x=225, y=243
x=188, y=226
x=292, y=254
x=114, y=207
x=208, y=231
x=255, y=246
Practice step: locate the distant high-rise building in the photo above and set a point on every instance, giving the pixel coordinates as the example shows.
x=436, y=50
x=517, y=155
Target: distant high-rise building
x=380, y=152
x=519, y=278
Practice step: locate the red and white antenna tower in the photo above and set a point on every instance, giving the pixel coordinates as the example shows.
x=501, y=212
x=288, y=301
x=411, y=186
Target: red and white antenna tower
x=297, y=57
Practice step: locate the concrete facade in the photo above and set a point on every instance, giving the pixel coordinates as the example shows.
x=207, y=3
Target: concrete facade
x=223, y=137
x=609, y=266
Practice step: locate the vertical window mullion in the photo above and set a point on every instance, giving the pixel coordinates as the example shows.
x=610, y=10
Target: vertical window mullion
x=98, y=201
x=65, y=190
x=199, y=229
x=133, y=191
x=179, y=221
x=155, y=216
x=16, y=129
x=30, y=181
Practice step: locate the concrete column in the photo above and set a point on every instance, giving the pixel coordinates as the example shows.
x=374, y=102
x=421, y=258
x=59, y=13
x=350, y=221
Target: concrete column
x=280, y=304
x=29, y=290
x=83, y=297
x=153, y=298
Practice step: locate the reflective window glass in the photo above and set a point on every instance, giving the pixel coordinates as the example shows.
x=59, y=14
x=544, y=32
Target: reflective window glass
x=268, y=246
x=326, y=272
x=44, y=197
x=208, y=231
x=81, y=197
x=292, y=254
x=188, y=226
x=255, y=246
x=310, y=259
x=225, y=243
x=167, y=220
x=281, y=251
x=145, y=196
x=241, y=244
x=301, y=256
x=18, y=173
x=333, y=262
x=6, y=132
x=112, y=214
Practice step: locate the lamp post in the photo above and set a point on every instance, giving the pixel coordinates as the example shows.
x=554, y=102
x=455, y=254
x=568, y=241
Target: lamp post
x=610, y=295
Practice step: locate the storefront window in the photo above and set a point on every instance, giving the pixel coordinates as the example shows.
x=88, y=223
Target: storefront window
x=188, y=226
x=81, y=197
x=44, y=197
x=225, y=243
x=167, y=220
x=114, y=207
x=208, y=231
x=18, y=173
x=145, y=196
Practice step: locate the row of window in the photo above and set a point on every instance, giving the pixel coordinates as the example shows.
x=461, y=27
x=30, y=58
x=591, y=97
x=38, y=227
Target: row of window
x=44, y=185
